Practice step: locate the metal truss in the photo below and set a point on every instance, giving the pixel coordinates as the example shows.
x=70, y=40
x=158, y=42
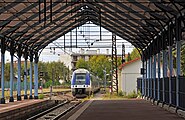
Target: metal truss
x=35, y=26
x=114, y=81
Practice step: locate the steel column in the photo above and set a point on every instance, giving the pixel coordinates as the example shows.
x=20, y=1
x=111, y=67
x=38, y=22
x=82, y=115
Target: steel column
x=11, y=79
x=25, y=79
x=143, y=92
x=31, y=76
x=159, y=74
x=36, y=76
x=19, y=79
x=171, y=72
x=148, y=77
x=178, y=70
x=178, y=36
x=154, y=75
x=164, y=72
x=2, y=76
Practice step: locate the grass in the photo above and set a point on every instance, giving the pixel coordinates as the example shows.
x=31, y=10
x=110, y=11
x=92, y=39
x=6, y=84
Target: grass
x=7, y=92
x=121, y=95
x=41, y=96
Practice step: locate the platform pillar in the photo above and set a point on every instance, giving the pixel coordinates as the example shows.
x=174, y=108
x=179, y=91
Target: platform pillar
x=36, y=76
x=11, y=79
x=151, y=77
x=25, y=78
x=159, y=74
x=154, y=75
x=178, y=37
x=31, y=76
x=19, y=54
x=178, y=70
x=2, y=76
x=148, y=76
x=164, y=71
x=19, y=79
x=143, y=77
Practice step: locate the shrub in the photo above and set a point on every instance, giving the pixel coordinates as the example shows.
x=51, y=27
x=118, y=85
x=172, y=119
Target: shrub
x=41, y=96
x=132, y=94
x=120, y=93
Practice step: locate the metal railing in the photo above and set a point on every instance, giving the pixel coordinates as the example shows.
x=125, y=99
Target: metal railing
x=164, y=92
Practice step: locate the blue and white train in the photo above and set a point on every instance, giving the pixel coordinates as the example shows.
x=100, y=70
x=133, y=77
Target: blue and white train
x=83, y=83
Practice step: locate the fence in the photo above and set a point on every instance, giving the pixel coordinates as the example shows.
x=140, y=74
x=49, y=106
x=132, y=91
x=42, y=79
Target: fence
x=164, y=91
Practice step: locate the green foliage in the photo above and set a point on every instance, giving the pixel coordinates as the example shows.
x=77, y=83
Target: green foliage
x=121, y=93
x=134, y=54
x=128, y=57
x=98, y=64
x=119, y=61
x=81, y=63
x=132, y=94
x=41, y=96
x=7, y=72
x=139, y=93
x=52, y=70
x=183, y=59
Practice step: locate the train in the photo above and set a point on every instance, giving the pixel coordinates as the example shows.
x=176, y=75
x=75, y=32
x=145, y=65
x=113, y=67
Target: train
x=83, y=83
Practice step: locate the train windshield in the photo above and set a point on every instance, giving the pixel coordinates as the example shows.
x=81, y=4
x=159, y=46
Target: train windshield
x=80, y=77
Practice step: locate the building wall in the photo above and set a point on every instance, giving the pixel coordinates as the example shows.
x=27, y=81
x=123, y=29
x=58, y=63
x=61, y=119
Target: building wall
x=129, y=75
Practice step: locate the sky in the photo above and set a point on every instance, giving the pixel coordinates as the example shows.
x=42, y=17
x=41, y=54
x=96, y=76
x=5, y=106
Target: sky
x=87, y=35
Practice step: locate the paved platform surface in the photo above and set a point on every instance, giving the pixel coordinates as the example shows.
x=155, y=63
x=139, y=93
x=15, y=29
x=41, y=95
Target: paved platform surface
x=17, y=105
x=122, y=110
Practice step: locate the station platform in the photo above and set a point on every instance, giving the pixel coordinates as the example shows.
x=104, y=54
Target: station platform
x=135, y=109
x=23, y=108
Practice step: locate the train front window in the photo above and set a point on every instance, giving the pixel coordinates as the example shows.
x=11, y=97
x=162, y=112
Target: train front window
x=80, y=77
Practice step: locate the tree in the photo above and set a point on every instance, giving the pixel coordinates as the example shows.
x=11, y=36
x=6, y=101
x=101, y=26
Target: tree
x=128, y=57
x=7, y=72
x=81, y=63
x=134, y=54
x=98, y=64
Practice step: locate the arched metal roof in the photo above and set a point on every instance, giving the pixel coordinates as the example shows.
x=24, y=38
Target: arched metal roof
x=35, y=23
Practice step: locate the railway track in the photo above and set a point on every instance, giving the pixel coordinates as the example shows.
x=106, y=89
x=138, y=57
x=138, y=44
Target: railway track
x=56, y=112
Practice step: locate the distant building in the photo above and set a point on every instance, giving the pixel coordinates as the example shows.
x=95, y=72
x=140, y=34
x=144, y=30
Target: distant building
x=128, y=75
x=71, y=60
x=130, y=71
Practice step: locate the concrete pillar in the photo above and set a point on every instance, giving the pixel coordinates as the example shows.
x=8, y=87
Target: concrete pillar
x=19, y=79
x=36, y=77
x=11, y=79
x=2, y=77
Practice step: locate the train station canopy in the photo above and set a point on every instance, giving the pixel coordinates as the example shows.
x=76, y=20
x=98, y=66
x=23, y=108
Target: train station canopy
x=34, y=24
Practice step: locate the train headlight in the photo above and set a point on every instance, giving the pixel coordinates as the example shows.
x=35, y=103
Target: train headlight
x=76, y=86
x=87, y=86
x=84, y=86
